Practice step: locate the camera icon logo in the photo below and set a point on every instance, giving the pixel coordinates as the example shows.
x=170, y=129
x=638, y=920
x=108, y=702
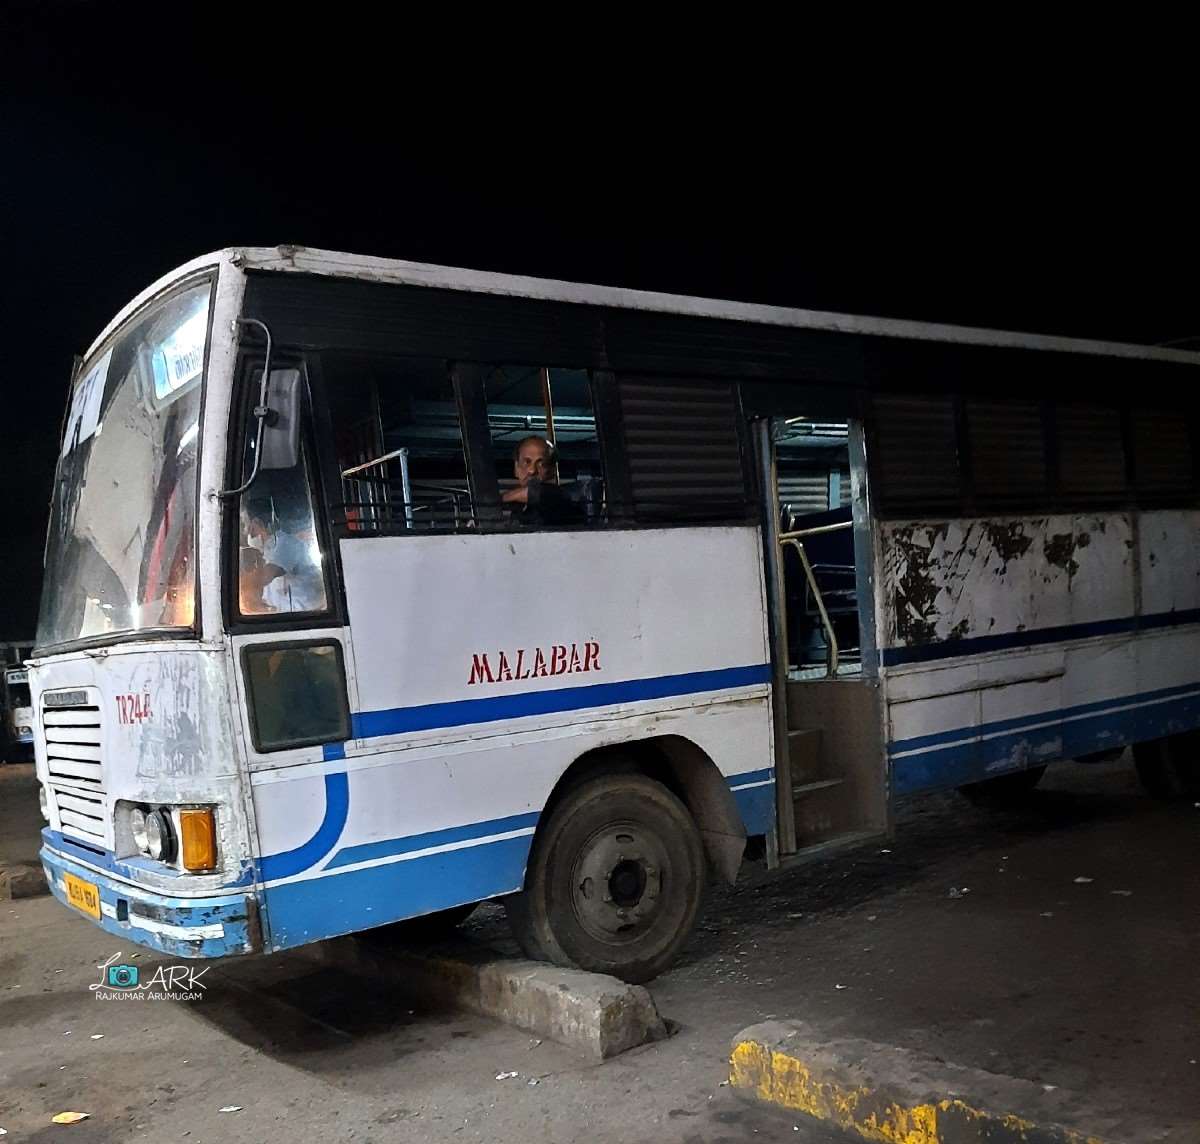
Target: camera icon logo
x=122, y=976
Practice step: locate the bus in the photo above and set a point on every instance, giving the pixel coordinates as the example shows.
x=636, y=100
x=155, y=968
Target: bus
x=375, y=590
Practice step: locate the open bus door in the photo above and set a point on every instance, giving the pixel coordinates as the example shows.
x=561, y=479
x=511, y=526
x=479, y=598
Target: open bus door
x=831, y=771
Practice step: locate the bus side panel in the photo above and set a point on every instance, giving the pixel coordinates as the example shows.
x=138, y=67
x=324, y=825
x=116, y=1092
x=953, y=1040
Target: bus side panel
x=485, y=666
x=1012, y=642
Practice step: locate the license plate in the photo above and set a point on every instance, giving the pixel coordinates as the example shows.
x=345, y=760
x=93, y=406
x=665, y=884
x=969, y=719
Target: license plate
x=83, y=895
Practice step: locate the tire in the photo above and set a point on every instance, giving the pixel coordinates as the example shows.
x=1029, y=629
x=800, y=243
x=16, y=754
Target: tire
x=1004, y=790
x=615, y=880
x=1169, y=768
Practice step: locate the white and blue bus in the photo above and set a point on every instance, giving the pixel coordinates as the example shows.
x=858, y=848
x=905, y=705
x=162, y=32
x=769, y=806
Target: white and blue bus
x=321, y=648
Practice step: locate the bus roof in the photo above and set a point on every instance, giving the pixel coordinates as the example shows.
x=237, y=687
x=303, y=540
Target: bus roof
x=328, y=263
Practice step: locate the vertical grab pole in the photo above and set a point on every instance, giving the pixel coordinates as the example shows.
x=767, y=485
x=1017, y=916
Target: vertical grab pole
x=406, y=488
x=548, y=405
x=785, y=812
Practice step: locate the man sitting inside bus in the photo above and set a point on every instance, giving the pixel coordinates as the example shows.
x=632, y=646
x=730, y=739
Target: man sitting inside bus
x=538, y=501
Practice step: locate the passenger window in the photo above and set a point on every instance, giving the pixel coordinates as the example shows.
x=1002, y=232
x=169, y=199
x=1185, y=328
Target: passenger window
x=1091, y=455
x=683, y=450
x=1162, y=457
x=280, y=567
x=399, y=444
x=914, y=457
x=1008, y=454
x=544, y=446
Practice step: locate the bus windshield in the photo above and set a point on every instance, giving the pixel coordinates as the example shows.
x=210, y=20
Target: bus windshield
x=120, y=554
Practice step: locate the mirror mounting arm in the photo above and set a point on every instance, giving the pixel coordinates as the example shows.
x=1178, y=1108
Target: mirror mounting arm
x=261, y=411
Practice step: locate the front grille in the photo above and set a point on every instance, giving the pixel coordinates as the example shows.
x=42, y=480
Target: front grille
x=75, y=769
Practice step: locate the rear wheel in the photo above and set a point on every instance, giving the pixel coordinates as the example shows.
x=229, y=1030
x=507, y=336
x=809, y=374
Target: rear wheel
x=1169, y=768
x=615, y=880
x=1004, y=790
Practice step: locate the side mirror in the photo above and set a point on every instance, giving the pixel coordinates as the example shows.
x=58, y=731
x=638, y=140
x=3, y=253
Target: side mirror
x=281, y=433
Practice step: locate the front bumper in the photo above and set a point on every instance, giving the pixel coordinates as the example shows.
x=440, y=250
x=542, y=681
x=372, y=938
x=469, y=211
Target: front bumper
x=206, y=927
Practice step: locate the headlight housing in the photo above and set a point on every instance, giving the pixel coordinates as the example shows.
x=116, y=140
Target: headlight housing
x=183, y=836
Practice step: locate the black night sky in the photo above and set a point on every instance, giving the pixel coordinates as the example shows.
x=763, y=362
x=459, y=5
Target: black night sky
x=125, y=150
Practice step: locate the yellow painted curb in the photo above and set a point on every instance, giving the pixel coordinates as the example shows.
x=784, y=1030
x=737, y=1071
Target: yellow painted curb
x=783, y=1079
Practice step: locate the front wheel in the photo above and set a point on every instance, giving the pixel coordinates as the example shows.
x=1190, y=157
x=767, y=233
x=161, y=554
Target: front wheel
x=615, y=880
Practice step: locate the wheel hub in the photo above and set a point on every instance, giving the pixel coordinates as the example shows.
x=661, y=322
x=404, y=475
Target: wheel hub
x=617, y=882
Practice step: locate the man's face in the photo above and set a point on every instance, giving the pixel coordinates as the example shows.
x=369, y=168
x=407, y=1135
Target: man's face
x=533, y=462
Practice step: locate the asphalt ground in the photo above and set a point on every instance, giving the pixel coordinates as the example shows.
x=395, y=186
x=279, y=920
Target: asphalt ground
x=1056, y=944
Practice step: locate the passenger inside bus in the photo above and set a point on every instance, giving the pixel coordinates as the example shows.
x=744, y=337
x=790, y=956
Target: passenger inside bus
x=544, y=445
x=538, y=500
x=280, y=569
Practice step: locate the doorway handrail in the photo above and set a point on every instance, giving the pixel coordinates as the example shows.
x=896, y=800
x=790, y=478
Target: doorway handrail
x=795, y=540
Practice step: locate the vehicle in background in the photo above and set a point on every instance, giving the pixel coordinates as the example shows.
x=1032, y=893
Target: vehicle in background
x=16, y=713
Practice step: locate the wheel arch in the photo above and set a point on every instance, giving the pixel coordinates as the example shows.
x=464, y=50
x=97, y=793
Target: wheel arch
x=689, y=772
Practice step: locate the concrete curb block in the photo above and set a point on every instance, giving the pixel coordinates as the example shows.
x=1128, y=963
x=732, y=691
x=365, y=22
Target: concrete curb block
x=591, y=1012
x=22, y=882
x=884, y=1093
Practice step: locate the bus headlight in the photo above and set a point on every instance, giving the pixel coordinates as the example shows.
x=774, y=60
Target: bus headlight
x=160, y=838
x=43, y=802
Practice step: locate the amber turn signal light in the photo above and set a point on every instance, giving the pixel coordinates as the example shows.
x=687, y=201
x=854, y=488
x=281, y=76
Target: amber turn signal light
x=198, y=839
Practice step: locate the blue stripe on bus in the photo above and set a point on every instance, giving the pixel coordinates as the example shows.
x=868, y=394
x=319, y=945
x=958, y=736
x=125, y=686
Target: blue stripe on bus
x=977, y=645
x=1032, y=718
x=337, y=807
x=750, y=801
x=1105, y=725
x=756, y=805
x=457, y=713
x=746, y=777
x=350, y=855
x=352, y=900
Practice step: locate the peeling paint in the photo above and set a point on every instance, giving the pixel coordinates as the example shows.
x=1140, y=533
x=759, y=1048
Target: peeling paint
x=1059, y=550
x=960, y=579
x=1008, y=539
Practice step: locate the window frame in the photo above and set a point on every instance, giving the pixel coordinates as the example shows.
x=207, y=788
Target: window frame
x=260, y=647
x=241, y=424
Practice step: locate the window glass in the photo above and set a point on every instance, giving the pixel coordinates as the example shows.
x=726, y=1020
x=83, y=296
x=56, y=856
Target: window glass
x=544, y=446
x=280, y=565
x=297, y=694
x=120, y=553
